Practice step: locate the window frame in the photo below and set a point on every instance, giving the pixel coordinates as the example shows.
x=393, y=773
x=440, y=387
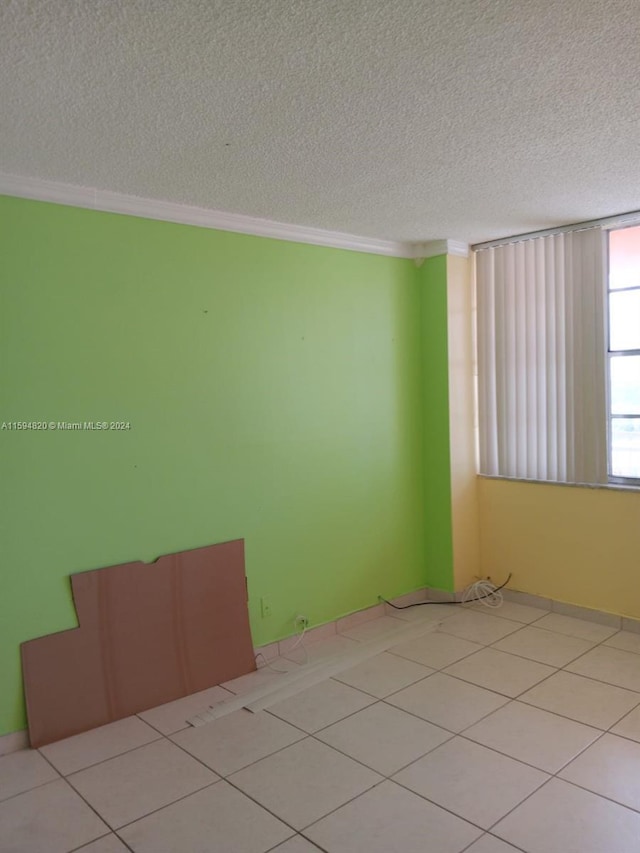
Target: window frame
x=615, y=479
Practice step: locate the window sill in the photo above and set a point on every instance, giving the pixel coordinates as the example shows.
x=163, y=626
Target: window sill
x=614, y=487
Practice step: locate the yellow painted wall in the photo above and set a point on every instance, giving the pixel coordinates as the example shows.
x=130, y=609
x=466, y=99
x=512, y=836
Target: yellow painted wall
x=464, y=496
x=569, y=543
x=573, y=544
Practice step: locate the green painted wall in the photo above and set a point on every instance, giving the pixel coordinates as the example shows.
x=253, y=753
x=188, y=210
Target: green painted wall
x=274, y=390
x=432, y=276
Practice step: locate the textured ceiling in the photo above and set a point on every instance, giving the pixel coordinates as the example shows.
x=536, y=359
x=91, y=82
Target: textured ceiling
x=395, y=119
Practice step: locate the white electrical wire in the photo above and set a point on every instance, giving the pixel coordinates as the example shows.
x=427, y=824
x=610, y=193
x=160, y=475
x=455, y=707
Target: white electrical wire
x=482, y=592
x=490, y=595
x=269, y=666
x=300, y=642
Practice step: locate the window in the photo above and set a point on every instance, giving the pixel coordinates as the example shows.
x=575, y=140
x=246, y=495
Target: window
x=624, y=355
x=542, y=360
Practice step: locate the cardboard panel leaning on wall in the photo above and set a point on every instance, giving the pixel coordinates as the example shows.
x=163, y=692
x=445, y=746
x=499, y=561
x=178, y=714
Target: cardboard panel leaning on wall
x=148, y=634
x=273, y=392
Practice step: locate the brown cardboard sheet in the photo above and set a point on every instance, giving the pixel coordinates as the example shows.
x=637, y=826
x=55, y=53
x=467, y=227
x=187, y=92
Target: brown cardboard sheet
x=148, y=633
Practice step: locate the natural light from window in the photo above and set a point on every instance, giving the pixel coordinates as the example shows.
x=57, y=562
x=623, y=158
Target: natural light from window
x=624, y=352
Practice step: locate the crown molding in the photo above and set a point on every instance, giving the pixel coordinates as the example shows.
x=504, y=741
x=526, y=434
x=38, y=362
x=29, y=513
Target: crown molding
x=185, y=214
x=148, y=208
x=457, y=248
x=422, y=251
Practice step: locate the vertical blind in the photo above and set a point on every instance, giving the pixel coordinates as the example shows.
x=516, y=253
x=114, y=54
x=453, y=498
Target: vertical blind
x=541, y=358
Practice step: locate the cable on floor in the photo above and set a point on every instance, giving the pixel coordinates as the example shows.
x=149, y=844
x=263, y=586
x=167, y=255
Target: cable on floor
x=483, y=591
x=269, y=666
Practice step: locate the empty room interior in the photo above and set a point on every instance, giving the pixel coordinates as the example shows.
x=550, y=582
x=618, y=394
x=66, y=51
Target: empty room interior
x=320, y=426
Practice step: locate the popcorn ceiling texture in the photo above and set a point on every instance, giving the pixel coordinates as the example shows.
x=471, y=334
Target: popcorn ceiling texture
x=395, y=119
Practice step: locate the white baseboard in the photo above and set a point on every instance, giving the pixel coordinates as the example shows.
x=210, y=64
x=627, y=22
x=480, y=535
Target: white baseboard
x=589, y=614
x=330, y=629
x=13, y=742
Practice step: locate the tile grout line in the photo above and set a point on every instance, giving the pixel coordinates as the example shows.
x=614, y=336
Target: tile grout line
x=222, y=778
x=155, y=728
x=389, y=777
x=557, y=670
x=226, y=777
x=573, y=719
x=438, y=669
x=93, y=841
x=287, y=840
x=383, y=777
x=117, y=829
x=105, y=760
x=598, y=794
x=578, y=754
x=536, y=790
x=611, y=648
x=92, y=808
x=380, y=698
x=33, y=788
x=162, y=736
x=598, y=680
x=456, y=814
x=539, y=788
x=404, y=788
x=321, y=669
x=102, y=760
x=122, y=841
x=517, y=698
x=377, y=700
x=282, y=820
x=491, y=835
x=452, y=735
x=462, y=732
x=546, y=678
x=79, y=795
x=322, y=728
x=313, y=735
x=549, y=775
x=406, y=623
x=546, y=611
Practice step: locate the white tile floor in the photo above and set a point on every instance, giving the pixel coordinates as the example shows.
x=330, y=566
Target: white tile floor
x=503, y=731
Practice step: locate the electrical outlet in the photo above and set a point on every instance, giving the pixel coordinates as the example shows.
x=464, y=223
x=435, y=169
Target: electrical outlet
x=301, y=621
x=265, y=607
